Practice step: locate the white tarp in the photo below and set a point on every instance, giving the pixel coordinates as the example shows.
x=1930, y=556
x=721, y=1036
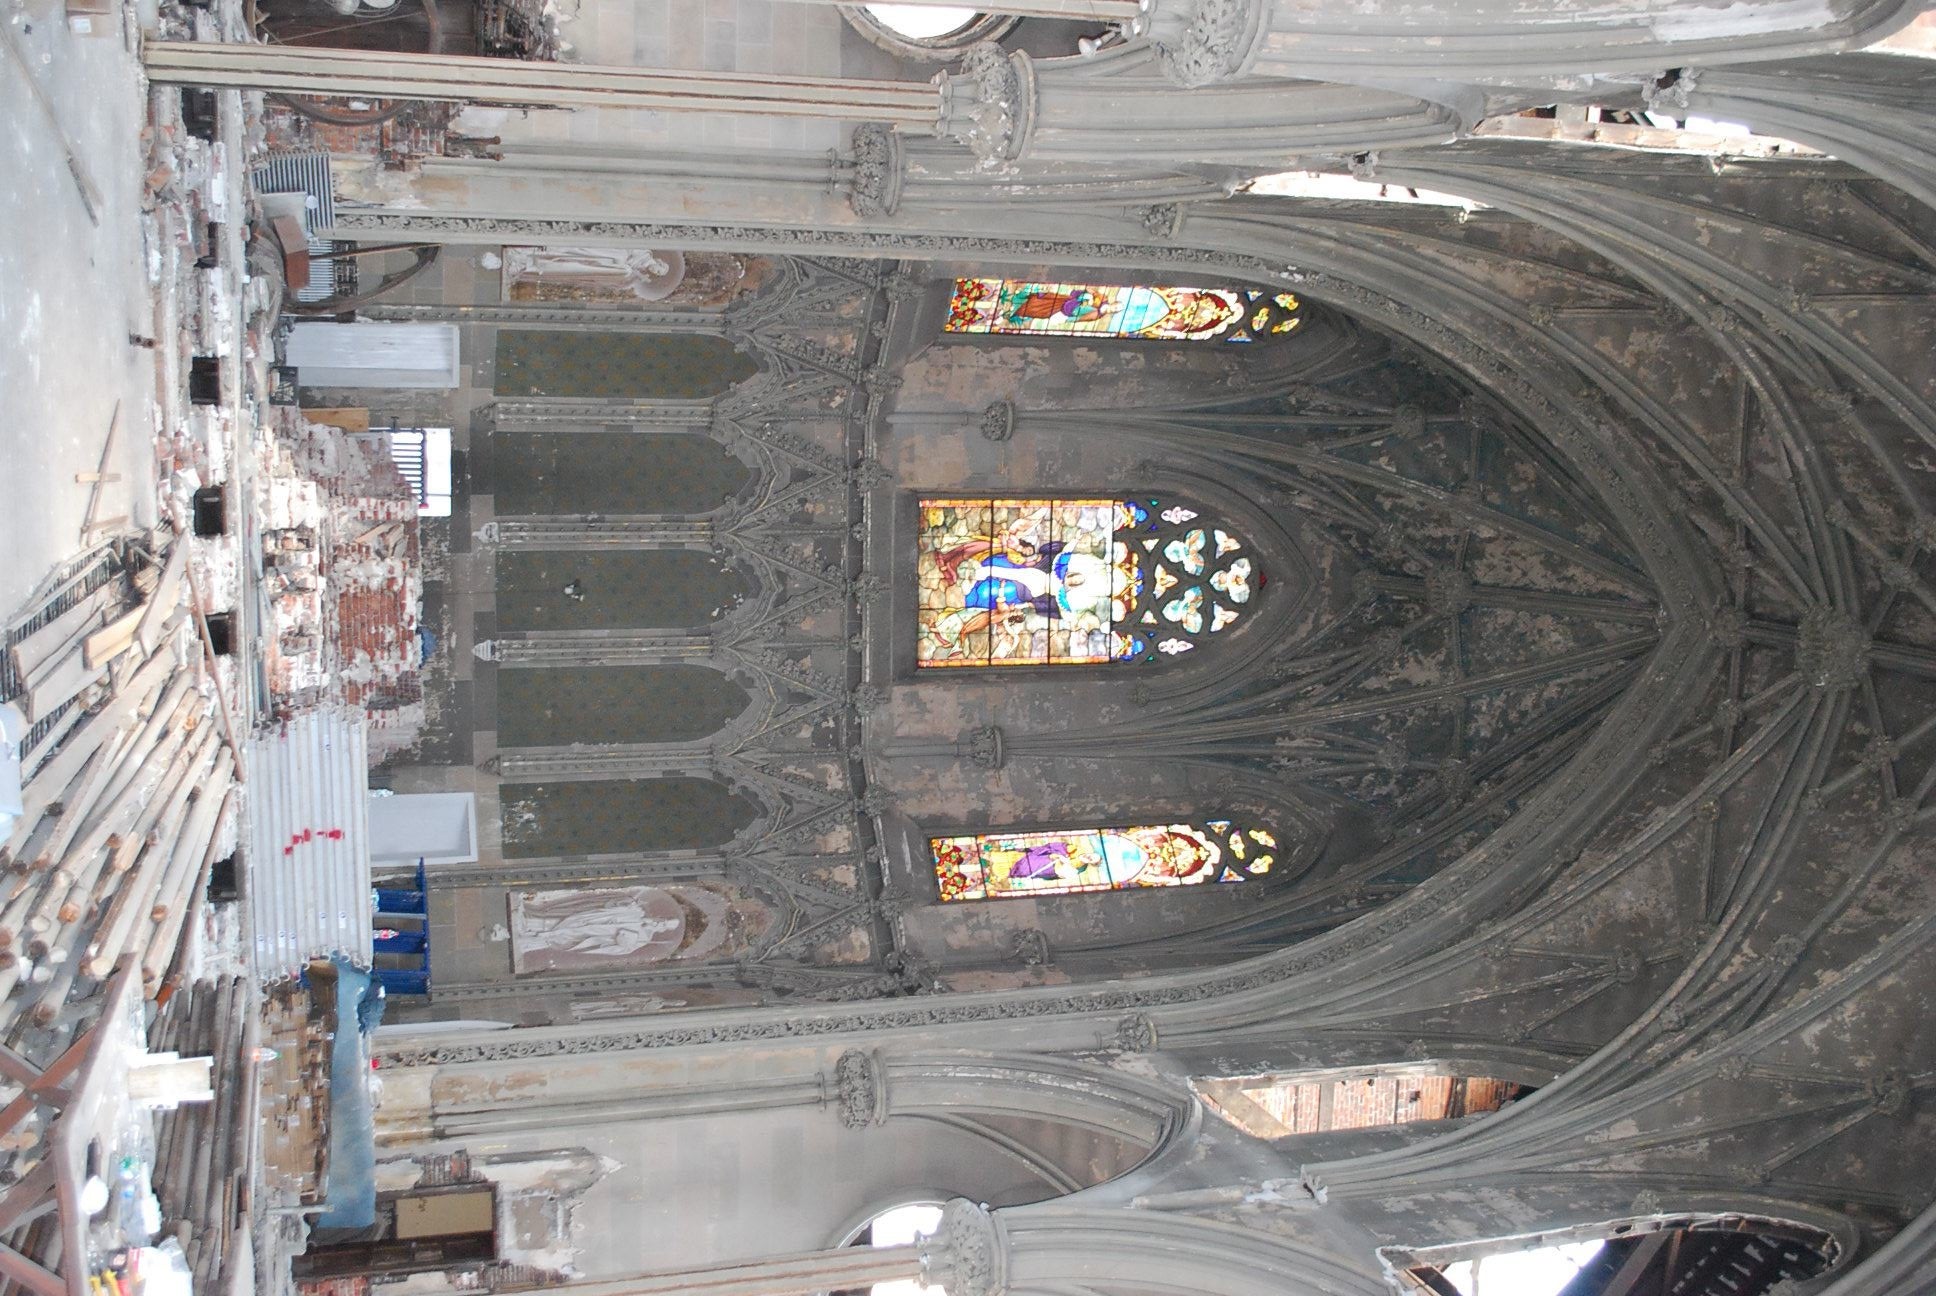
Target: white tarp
x=374, y=355
x=309, y=843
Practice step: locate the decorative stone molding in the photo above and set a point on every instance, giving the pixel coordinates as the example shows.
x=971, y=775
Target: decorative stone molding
x=998, y=420
x=1163, y=220
x=860, y=1084
x=1204, y=42
x=874, y=171
x=989, y=104
x=1136, y=1033
x=1029, y=947
x=1831, y=650
x=986, y=748
x=870, y=474
x=967, y=1254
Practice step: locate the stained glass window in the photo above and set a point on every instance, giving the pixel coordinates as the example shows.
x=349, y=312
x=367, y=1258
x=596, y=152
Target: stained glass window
x=996, y=866
x=1024, y=306
x=1056, y=582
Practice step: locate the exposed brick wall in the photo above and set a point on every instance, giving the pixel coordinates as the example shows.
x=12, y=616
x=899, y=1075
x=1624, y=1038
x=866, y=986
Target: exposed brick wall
x=1366, y=1102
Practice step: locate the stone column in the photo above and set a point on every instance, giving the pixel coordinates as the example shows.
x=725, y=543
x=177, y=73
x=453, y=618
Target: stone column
x=593, y=531
x=596, y=318
x=856, y=1088
x=1109, y=11
x=573, y=414
x=541, y=648
x=965, y=1255
x=810, y=1274
x=1497, y=42
x=466, y=79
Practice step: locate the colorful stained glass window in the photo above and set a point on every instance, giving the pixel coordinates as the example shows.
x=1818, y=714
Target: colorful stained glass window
x=995, y=866
x=1028, y=307
x=1057, y=582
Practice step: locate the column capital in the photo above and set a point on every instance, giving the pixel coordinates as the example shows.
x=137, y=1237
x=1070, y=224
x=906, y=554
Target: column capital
x=873, y=170
x=967, y=1254
x=1205, y=42
x=988, y=103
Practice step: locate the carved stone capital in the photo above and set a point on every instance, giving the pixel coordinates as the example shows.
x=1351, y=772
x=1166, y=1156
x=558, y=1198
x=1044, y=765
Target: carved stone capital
x=873, y=171
x=985, y=748
x=1029, y=947
x=1162, y=220
x=1136, y=1033
x=989, y=103
x=967, y=1254
x=1204, y=42
x=860, y=1085
x=998, y=420
x=870, y=474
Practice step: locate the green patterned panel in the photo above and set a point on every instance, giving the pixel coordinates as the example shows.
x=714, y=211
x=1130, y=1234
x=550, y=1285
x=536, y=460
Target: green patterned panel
x=612, y=472
x=614, y=817
x=613, y=704
x=617, y=366
x=626, y=589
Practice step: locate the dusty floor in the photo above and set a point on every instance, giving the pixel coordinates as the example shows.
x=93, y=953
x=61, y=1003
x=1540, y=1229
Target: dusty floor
x=71, y=292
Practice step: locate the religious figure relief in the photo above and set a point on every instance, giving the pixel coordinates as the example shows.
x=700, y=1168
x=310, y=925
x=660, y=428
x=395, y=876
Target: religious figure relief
x=612, y=928
x=600, y=276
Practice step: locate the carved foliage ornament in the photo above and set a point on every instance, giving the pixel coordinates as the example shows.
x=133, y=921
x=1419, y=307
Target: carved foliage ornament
x=967, y=1254
x=989, y=104
x=998, y=421
x=860, y=1085
x=874, y=171
x=1209, y=41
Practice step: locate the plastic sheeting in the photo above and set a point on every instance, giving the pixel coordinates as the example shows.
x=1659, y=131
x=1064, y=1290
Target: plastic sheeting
x=309, y=844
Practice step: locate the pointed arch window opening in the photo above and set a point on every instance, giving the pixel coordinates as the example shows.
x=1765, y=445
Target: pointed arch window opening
x=1071, y=861
x=1029, y=307
x=1009, y=582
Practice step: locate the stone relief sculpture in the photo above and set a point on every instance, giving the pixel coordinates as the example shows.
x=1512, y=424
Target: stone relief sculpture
x=606, y=276
x=606, y=928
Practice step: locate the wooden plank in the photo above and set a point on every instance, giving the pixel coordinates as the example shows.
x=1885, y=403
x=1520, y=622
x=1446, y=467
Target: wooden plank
x=33, y=653
x=60, y=684
x=113, y=639
x=346, y=417
x=166, y=599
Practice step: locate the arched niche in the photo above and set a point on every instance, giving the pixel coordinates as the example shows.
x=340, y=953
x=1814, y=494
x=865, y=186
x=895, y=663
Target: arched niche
x=575, y=472
x=557, y=706
x=1071, y=1124
x=617, y=365
x=614, y=816
x=1691, y=1254
x=634, y=589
